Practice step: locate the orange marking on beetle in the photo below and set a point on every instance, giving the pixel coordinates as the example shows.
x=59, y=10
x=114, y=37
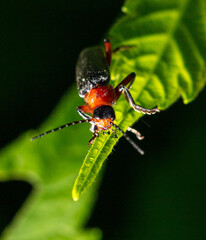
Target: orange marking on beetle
x=99, y=96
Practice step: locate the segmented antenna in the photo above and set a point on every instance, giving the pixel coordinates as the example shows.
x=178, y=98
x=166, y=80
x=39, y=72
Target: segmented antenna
x=135, y=146
x=61, y=127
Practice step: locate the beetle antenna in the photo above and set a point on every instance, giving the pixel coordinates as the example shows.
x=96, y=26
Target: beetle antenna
x=135, y=146
x=61, y=127
x=145, y=122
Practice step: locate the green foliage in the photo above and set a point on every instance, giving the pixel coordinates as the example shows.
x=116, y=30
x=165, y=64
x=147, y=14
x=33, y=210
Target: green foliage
x=167, y=55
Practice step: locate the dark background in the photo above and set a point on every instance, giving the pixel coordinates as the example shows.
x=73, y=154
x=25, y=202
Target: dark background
x=162, y=196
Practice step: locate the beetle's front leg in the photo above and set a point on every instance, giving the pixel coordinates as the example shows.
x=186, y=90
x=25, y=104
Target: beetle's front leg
x=137, y=108
x=137, y=133
x=95, y=135
x=82, y=110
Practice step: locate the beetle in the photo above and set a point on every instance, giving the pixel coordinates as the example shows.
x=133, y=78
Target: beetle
x=93, y=77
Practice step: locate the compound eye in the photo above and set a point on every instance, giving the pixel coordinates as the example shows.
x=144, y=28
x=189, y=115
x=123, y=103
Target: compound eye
x=104, y=112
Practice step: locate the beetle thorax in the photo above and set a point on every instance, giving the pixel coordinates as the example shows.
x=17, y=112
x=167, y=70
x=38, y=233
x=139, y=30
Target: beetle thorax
x=99, y=96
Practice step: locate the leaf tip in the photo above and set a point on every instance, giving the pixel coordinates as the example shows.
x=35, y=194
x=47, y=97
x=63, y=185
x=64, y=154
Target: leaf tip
x=75, y=195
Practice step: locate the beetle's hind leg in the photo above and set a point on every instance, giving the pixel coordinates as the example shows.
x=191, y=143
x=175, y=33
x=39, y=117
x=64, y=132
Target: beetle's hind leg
x=122, y=48
x=108, y=50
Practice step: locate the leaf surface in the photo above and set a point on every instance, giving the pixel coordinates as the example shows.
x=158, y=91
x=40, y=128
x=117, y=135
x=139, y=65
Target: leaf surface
x=167, y=52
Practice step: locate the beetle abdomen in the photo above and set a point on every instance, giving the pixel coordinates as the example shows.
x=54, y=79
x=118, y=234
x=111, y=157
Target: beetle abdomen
x=91, y=69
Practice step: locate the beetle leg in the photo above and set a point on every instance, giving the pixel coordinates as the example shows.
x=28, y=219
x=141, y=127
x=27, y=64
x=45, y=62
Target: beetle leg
x=115, y=134
x=121, y=88
x=121, y=48
x=128, y=139
x=137, y=133
x=137, y=108
x=93, y=126
x=128, y=80
x=95, y=135
x=108, y=50
x=82, y=110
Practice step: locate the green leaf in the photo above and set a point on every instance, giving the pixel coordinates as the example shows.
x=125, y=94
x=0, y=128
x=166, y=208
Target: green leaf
x=168, y=50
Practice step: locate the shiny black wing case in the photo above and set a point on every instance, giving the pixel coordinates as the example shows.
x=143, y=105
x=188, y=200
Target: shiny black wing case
x=92, y=69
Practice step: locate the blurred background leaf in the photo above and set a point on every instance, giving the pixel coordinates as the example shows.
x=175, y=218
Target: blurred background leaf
x=161, y=197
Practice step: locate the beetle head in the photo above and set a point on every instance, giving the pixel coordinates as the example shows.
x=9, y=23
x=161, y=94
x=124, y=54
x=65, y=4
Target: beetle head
x=103, y=116
x=104, y=112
